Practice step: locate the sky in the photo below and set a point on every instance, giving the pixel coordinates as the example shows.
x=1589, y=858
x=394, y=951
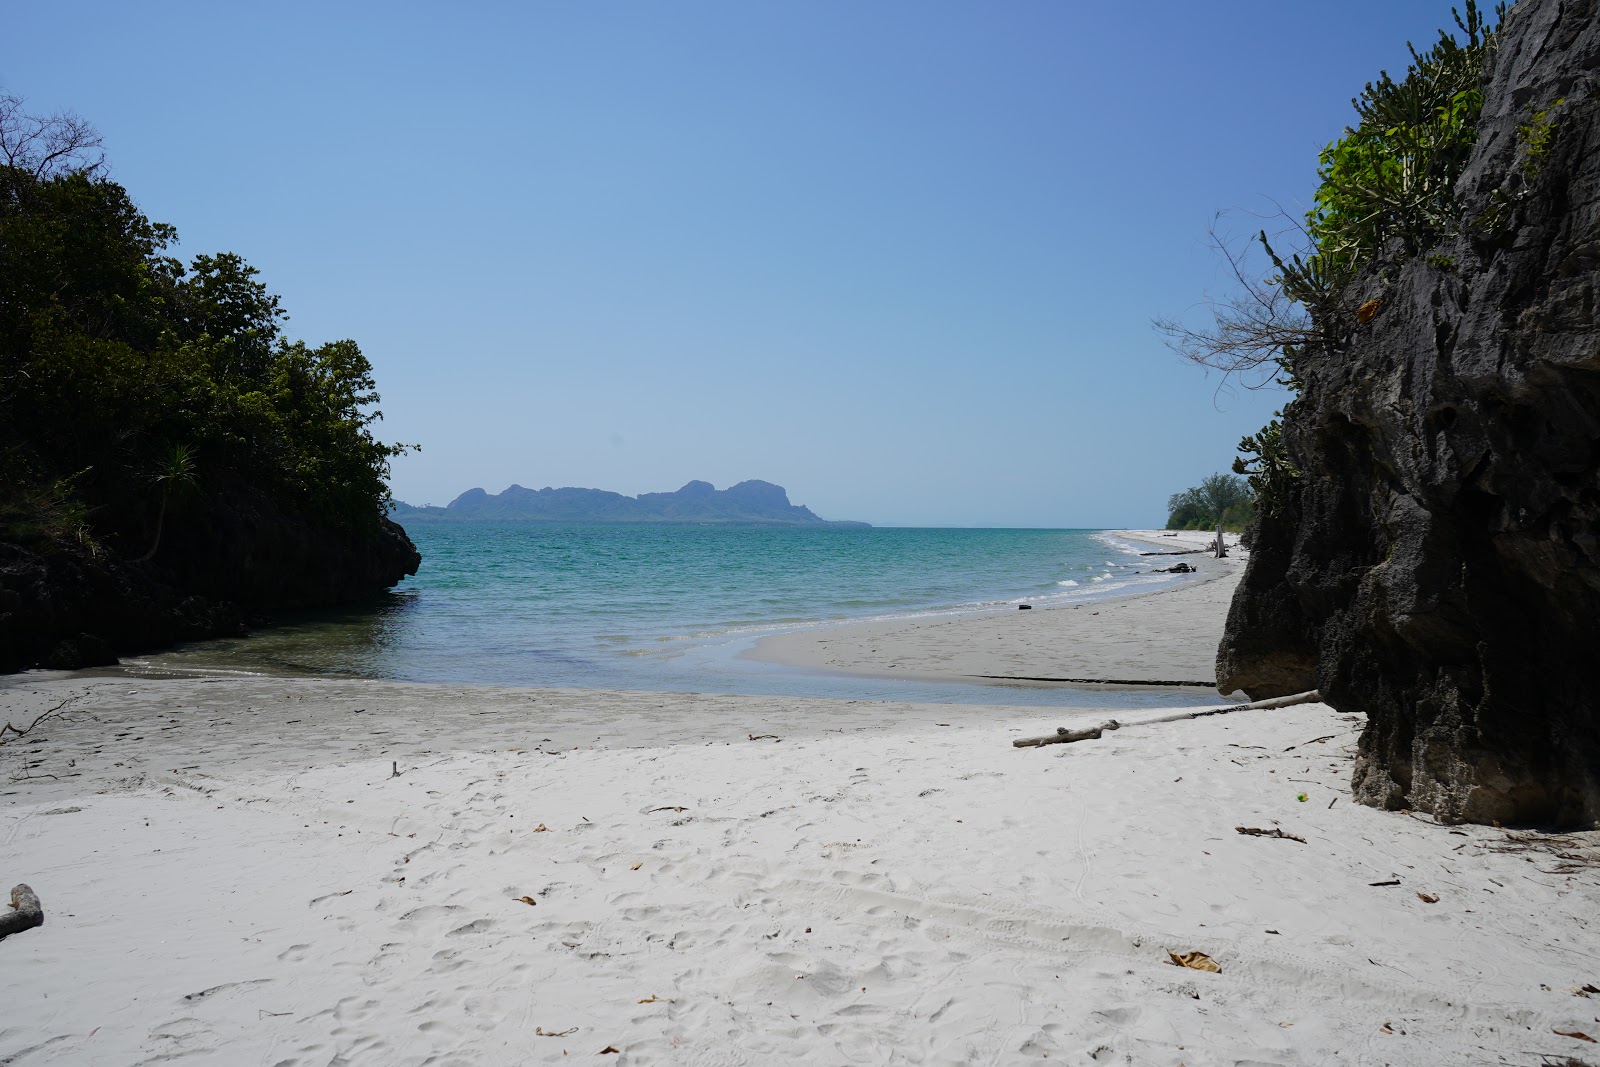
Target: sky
x=899, y=256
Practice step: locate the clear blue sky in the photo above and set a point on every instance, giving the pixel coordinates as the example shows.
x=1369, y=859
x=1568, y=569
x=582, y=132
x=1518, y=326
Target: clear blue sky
x=898, y=256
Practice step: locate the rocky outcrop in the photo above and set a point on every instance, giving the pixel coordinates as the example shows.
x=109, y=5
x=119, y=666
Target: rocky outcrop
x=72, y=604
x=1440, y=562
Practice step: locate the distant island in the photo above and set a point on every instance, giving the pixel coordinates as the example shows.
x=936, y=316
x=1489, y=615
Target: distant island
x=754, y=502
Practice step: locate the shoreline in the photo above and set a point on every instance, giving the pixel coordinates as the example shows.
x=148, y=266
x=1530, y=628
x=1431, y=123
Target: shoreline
x=301, y=872
x=1161, y=638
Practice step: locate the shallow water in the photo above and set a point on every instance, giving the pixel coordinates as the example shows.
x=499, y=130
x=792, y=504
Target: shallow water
x=661, y=607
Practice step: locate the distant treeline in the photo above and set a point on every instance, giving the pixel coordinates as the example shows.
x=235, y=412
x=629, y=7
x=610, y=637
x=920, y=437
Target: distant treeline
x=1198, y=508
x=134, y=386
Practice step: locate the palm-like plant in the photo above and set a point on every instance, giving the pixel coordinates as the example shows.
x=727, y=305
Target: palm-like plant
x=176, y=475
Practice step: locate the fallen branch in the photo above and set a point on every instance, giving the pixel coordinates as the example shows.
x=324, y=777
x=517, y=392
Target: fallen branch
x=1064, y=735
x=1256, y=831
x=26, y=913
x=42, y=717
x=1309, y=697
x=1159, y=683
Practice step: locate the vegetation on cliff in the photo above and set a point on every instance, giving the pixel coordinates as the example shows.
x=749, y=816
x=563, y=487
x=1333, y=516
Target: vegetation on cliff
x=133, y=385
x=1386, y=195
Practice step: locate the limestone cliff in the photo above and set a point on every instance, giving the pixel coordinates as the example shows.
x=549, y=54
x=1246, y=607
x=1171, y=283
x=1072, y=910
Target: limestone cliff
x=1439, y=568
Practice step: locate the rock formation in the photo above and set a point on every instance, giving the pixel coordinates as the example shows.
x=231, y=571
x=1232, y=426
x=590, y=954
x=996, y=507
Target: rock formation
x=67, y=605
x=751, y=502
x=1439, y=568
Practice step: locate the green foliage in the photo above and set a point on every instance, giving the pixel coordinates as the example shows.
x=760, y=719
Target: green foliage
x=1387, y=193
x=1392, y=178
x=1199, y=507
x=1271, y=473
x=1535, y=138
x=130, y=382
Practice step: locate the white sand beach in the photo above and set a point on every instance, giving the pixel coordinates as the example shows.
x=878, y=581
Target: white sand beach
x=1170, y=636
x=233, y=872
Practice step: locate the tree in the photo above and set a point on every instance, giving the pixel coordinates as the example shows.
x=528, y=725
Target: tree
x=1221, y=492
x=1220, y=500
x=111, y=351
x=175, y=475
x=44, y=146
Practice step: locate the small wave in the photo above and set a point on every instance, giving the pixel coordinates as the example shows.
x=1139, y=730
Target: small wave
x=1069, y=581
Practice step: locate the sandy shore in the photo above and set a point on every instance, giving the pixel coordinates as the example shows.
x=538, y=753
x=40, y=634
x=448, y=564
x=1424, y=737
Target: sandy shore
x=233, y=874
x=1168, y=636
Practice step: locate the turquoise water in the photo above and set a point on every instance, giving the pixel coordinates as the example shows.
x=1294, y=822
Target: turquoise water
x=669, y=607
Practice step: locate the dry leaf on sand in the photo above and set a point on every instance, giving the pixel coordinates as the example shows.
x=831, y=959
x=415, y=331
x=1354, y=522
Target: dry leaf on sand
x=526, y=900
x=653, y=999
x=539, y=1031
x=1195, y=961
x=1579, y=1034
x=636, y=866
x=1427, y=898
x=608, y=1049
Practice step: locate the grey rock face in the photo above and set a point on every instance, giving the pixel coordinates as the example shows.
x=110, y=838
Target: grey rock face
x=1442, y=565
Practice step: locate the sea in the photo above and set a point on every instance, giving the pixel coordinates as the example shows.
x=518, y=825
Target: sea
x=673, y=607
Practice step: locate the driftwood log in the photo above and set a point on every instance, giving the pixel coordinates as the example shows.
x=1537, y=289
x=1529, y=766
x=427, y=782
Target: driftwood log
x=25, y=914
x=1064, y=736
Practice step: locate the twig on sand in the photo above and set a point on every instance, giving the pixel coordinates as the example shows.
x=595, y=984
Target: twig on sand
x=1256, y=831
x=1572, y=853
x=16, y=732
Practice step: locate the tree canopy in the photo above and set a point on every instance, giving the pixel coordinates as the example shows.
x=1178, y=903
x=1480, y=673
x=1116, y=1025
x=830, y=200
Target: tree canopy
x=126, y=374
x=1220, y=496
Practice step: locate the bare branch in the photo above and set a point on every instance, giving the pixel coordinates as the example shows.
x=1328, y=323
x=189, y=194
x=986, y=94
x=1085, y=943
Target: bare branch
x=1252, y=326
x=19, y=732
x=47, y=146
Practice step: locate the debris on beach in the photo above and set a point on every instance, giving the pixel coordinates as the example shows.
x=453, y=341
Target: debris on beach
x=1195, y=961
x=1256, y=831
x=25, y=912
